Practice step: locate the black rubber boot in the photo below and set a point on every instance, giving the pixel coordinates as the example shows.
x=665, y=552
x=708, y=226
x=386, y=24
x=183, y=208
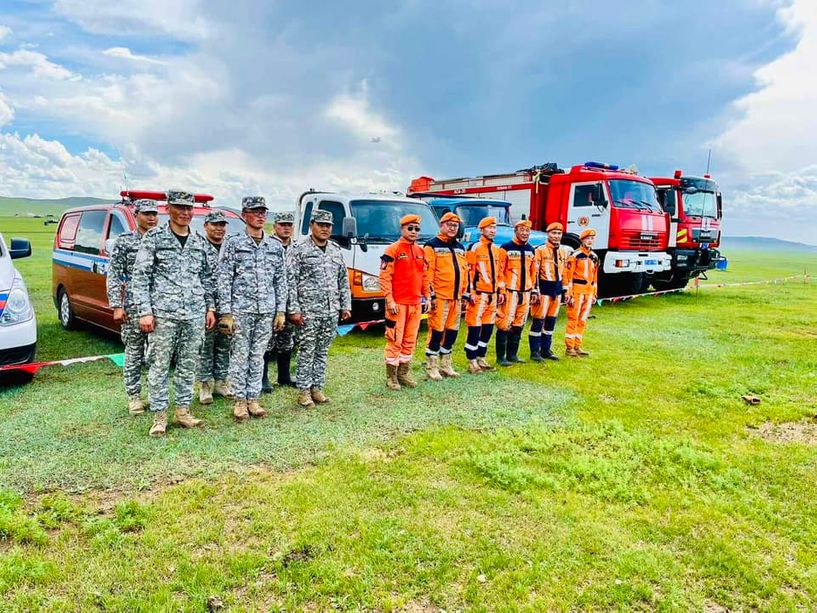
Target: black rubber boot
x=266, y=386
x=514, y=339
x=502, y=348
x=284, y=378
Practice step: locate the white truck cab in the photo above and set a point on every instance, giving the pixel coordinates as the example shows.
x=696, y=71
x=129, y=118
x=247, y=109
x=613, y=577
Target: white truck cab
x=363, y=226
x=18, y=325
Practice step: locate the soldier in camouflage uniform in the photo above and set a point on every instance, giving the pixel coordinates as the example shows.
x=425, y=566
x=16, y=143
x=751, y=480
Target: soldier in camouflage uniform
x=120, y=299
x=173, y=288
x=318, y=294
x=281, y=343
x=215, y=350
x=252, y=290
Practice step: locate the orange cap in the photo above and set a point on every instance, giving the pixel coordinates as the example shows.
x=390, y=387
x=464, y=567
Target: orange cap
x=449, y=216
x=523, y=222
x=407, y=219
x=486, y=221
x=555, y=226
x=586, y=233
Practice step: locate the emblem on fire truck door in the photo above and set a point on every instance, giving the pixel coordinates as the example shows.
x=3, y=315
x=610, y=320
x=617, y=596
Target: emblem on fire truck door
x=583, y=220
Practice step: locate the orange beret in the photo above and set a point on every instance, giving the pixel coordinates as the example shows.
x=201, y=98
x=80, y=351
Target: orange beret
x=407, y=219
x=555, y=226
x=450, y=217
x=523, y=222
x=486, y=221
x=586, y=233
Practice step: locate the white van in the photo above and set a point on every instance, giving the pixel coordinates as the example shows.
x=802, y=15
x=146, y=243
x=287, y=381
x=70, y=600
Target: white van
x=18, y=326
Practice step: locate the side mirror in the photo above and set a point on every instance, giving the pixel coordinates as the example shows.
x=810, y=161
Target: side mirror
x=20, y=248
x=598, y=196
x=460, y=231
x=669, y=203
x=349, y=227
x=109, y=245
x=719, y=199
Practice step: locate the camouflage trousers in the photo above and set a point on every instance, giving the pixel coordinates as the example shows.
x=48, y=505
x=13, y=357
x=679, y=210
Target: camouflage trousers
x=283, y=340
x=314, y=340
x=214, y=360
x=250, y=338
x=135, y=342
x=183, y=339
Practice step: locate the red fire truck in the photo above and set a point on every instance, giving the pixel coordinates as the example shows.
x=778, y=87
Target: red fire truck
x=621, y=206
x=695, y=208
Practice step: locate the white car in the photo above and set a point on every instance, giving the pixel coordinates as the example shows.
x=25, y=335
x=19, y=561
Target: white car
x=18, y=326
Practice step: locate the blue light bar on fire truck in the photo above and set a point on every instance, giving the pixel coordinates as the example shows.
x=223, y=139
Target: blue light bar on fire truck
x=601, y=165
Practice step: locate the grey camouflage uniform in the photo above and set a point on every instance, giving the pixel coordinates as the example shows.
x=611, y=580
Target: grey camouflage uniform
x=176, y=285
x=319, y=290
x=252, y=287
x=214, y=359
x=285, y=339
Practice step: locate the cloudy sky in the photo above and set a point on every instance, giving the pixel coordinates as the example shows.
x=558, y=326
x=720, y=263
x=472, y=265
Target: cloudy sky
x=254, y=96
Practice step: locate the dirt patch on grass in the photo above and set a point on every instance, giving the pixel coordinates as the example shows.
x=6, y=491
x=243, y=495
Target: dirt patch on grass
x=803, y=431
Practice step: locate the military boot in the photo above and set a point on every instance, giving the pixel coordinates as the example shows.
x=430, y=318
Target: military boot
x=255, y=409
x=222, y=388
x=446, y=367
x=433, y=368
x=483, y=364
x=318, y=396
x=473, y=367
x=266, y=386
x=135, y=405
x=391, y=377
x=284, y=376
x=186, y=419
x=305, y=399
x=404, y=375
x=206, y=392
x=240, y=410
x=502, y=348
x=159, y=426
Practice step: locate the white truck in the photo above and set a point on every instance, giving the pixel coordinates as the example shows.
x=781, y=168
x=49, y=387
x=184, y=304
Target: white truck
x=18, y=325
x=363, y=226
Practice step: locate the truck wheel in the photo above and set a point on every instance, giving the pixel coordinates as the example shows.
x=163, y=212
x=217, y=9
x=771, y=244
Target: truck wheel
x=674, y=282
x=65, y=312
x=628, y=283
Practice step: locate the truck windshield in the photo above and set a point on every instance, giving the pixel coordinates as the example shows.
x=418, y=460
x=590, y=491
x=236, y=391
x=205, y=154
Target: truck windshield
x=702, y=204
x=380, y=219
x=235, y=225
x=472, y=214
x=634, y=195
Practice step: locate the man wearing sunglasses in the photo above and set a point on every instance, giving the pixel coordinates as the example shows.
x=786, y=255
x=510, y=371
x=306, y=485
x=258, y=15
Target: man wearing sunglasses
x=404, y=280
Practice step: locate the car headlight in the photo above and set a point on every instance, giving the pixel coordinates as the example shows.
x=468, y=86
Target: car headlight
x=371, y=283
x=18, y=306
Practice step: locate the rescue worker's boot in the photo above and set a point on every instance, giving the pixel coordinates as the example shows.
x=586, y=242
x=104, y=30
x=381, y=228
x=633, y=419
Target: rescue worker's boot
x=222, y=388
x=474, y=367
x=159, y=426
x=502, y=348
x=319, y=397
x=483, y=364
x=240, y=412
x=284, y=376
x=266, y=386
x=305, y=399
x=206, y=392
x=581, y=352
x=446, y=366
x=570, y=352
x=404, y=377
x=514, y=339
x=186, y=419
x=391, y=377
x=135, y=405
x=433, y=368
x=255, y=409
x=535, y=343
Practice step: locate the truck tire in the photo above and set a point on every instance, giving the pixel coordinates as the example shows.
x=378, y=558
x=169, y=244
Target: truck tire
x=626, y=284
x=674, y=282
x=65, y=312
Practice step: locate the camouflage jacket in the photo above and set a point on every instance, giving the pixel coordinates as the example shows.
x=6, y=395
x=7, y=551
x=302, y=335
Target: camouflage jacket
x=120, y=270
x=251, y=277
x=214, y=254
x=318, y=280
x=170, y=280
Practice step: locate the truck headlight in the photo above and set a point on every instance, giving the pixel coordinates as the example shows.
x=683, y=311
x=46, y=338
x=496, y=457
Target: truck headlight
x=18, y=306
x=371, y=283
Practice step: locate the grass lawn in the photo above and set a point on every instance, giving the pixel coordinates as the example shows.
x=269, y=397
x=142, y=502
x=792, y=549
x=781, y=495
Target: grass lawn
x=635, y=479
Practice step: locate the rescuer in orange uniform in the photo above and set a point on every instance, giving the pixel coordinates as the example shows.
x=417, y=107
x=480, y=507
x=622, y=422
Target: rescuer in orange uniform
x=518, y=269
x=581, y=288
x=448, y=280
x=403, y=279
x=487, y=291
x=550, y=262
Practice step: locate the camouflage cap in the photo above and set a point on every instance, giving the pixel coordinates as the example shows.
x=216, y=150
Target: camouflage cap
x=215, y=217
x=181, y=198
x=249, y=203
x=284, y=217
x=321, y=216
x=145, y=205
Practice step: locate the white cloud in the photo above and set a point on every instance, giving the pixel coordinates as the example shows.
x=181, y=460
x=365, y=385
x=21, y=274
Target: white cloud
x=39, y=64
x=126, y=54
x=4, y=31
x=6, y=112
x=353, y=113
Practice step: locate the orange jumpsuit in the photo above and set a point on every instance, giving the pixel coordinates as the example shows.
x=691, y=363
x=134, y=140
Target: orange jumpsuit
x=487, y=283
x=403, y=280
x=550, y=262
x=518, y=269
x=580, y=283
x=448, y=280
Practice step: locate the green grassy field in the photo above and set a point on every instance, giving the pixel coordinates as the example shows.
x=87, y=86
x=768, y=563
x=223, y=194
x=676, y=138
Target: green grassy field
x=635, y=479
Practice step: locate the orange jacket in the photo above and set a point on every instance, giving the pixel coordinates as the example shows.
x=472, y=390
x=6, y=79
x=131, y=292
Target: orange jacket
x=403, y=273
x=483, y=263
x=550, y=263
x=581, y=272
x=518, y=266
x=447, y=268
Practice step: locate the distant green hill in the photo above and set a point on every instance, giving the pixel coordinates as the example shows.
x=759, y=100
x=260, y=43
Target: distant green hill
x=762, y=243
x=10, y=207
